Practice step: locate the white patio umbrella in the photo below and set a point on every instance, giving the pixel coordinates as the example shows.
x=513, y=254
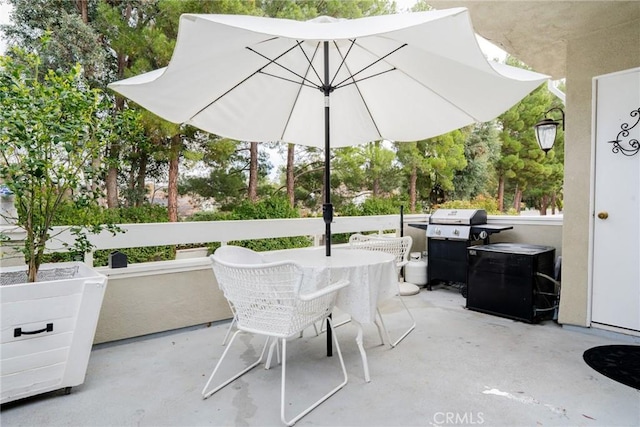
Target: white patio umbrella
x=401, y=77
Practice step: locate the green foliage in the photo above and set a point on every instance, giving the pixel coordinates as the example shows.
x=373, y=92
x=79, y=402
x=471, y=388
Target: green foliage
x=68, y=214
x=269, y=208
x=371, y=206
x=71, y=41
x=522, y=167
x=211, y=216
x=380, y=206
x=368, y=167
x=137, y=255
x=307, y=9
x=435, y=161
x=273, y=207
x=489, y=204
x=481, y=151
x=134, y=255
x=49, y=142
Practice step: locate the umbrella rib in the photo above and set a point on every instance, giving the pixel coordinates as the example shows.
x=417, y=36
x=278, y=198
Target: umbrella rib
x=353, y=81
x=343, y=84
x=275, y=62
x=223, y=95
x=364, y=102
x=271, y=61
x=352, y=76
x=344, y=58
x=310, y=62
x=303, y=83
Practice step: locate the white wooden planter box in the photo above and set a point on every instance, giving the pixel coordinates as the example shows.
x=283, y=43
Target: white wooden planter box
x=48, y=328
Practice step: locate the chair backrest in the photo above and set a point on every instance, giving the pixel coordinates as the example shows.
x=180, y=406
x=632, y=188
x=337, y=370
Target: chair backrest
x=397, y=246
x=238, y=255
x=266, y=297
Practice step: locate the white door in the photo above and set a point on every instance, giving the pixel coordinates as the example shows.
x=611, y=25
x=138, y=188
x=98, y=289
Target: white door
x=616, y=229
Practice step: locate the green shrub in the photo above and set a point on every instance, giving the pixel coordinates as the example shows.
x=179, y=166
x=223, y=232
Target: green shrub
x=148, y=213
x=371, y=206
x=271, y=208
x=489, y=204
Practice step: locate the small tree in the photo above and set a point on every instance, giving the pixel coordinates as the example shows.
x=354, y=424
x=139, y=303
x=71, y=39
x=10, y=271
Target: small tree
x=49, y=148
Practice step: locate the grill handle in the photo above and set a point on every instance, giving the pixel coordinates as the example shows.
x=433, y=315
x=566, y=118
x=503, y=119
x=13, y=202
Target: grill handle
x=448, y=222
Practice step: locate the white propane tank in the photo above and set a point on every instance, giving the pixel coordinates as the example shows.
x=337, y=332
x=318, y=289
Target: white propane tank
x=415, y=271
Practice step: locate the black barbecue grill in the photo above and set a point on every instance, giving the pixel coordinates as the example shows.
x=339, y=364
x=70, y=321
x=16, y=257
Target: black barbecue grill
x=449, y=233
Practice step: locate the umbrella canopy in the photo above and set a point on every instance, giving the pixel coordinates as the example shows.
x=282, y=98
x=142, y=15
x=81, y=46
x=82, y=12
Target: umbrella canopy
x=401, y=77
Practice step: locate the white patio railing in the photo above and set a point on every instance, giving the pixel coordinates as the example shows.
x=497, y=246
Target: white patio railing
x=159, y=296
x=185, y=233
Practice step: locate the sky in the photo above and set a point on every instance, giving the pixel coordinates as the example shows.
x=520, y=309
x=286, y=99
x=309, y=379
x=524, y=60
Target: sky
x=4, y=19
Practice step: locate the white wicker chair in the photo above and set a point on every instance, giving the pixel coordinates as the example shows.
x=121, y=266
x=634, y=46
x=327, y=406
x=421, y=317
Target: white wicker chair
x=237, y=255
x=399, y=247
x=268, y=301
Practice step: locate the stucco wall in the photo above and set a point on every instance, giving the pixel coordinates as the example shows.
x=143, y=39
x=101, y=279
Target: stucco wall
x=545, y=235
x=603, y=52
x=536, y=231
x=143, y=302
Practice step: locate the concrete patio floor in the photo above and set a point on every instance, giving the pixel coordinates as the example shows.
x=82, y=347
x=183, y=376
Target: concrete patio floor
x=459, y=367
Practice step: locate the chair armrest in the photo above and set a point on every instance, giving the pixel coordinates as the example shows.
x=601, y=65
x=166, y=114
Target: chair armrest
x=324, y=291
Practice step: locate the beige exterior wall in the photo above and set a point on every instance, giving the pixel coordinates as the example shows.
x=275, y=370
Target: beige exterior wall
x=544, y=235
x=535, y=231
x=138, y=303
x=602, y=52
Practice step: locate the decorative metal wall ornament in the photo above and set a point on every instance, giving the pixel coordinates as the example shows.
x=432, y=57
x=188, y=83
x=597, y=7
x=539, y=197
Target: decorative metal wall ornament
x=634, y=145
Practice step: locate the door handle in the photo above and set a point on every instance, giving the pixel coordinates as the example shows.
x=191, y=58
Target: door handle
x=603, y=215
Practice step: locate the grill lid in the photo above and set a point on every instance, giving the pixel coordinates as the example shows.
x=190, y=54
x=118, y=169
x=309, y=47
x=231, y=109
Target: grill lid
x=458, y=217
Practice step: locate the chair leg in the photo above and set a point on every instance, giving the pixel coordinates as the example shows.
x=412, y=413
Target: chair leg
x=226, y=336
x=274, y=345
x=205, y=393
x=283, y=399
x=407, y=332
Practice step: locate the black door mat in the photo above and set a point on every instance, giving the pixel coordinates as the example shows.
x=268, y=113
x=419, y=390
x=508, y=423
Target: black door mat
x=621, y=363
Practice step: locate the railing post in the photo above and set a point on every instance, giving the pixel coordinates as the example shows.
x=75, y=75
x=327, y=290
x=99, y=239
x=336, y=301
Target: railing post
x=88, y=258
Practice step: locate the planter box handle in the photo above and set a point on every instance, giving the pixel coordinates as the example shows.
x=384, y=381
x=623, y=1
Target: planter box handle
x=18, y=331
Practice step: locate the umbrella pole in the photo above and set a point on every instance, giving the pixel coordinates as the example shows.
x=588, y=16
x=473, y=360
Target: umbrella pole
x=327, y=207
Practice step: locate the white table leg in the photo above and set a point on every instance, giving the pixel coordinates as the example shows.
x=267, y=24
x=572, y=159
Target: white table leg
x=379, y=331
x=359, y=340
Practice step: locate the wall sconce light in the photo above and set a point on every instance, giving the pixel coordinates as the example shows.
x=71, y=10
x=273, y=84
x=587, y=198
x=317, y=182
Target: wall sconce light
x=546, y=130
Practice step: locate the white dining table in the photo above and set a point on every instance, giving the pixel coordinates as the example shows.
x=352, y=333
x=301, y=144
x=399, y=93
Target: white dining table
x=372, y=278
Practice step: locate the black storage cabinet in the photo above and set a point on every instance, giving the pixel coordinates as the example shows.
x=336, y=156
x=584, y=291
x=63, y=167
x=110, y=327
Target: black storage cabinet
x=502, y=280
